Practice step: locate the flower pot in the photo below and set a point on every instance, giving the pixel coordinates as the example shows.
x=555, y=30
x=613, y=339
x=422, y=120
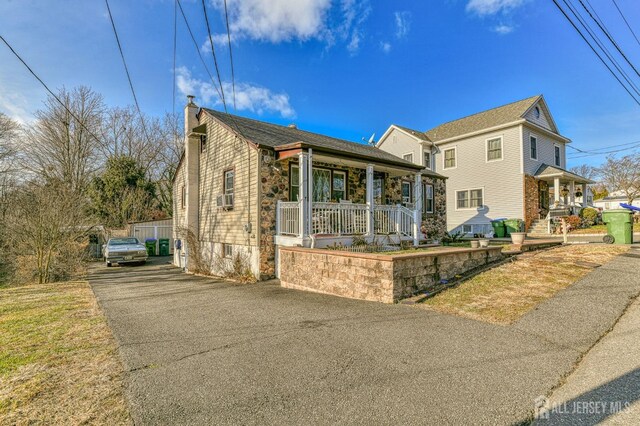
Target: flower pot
x=484, y=242
x=518, y=237
x=475, y=243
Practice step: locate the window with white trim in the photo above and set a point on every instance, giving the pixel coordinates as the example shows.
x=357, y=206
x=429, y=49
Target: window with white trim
x=427, y=198
x=469, y=199
x=494, y=149
x=229, y=187
x=408, y=157
x=407, y=193
x=183, y=197
x=427, y=159
x=533, y=145
x=294, y=182
x=449, y=158
x=203, y=143
x=227, y=250
x=556, y=149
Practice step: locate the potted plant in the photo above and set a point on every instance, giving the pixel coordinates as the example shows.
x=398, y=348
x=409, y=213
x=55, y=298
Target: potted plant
x=475, y=243
x=484, y=242
x=518, y=237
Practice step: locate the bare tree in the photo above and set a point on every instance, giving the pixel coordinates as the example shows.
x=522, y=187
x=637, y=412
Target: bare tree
x=622, y=175
x=61, y=146
x=586, y=171
x=8, y=134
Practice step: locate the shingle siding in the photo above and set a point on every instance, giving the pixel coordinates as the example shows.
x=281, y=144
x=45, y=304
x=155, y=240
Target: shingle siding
x=501, y=180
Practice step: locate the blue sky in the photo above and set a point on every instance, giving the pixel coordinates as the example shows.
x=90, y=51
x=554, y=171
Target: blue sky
x=346, y=68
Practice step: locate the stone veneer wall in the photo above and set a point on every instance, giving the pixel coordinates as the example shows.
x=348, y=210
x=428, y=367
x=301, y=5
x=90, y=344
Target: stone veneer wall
x=274, y=181
x=376, y=277
x=531, y=201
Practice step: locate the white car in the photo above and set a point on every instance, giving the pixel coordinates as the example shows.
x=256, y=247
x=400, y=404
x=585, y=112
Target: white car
x=125, y=250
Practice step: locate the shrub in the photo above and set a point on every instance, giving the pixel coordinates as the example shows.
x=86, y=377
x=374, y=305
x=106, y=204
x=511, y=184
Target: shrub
x=574, y=222
x=590, y=216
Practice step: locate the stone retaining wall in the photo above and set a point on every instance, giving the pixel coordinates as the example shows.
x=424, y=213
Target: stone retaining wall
x=376, y=277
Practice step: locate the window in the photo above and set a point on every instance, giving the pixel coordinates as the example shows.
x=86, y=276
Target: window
x=467, y=229
x=469, y=199
x=328, y=185
x=533, y=143
x=378, y=190
x=183, y=196
x=406, y=193
x=408, y=157
x=449, y=158
x=557, y=154
x=537, y=112
x=427, y=198
x=294, y=183
x=203, y=143
x=339, y=185
x=228, y=187
x=227, y=250
x=427, y=159
x=494, y=149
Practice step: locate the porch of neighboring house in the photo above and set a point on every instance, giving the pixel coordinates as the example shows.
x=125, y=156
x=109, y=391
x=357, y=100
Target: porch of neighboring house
x=554, y=188
x=386, y=206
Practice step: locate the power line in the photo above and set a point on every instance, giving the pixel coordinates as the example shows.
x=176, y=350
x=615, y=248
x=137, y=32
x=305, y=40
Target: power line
x=175, y=41
x=626, y=22
x=599, y=43
x=634, y=145
x=49, y=90
x=126, y=69
x=213, y=53
x=233, y=78
x=611, y=39
x=595, y=51
x=186, y=21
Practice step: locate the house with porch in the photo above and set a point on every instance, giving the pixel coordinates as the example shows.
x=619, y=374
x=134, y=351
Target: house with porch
x=506, y=162
x=244, y=187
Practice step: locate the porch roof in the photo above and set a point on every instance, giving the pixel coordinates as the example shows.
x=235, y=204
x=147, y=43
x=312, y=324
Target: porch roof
x=547, y=172
x=289, y=138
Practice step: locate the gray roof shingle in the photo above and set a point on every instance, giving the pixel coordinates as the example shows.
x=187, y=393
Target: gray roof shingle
x=482, y=120
x=273, y=136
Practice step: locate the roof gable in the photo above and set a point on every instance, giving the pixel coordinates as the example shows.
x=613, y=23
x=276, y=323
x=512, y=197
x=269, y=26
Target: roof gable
x=483, y=120
x=545, y=119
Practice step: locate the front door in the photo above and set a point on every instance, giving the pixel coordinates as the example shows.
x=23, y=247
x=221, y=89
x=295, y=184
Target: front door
x=543, y=192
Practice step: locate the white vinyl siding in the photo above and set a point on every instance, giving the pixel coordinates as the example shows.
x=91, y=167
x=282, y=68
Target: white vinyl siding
x=494, y=149
x=543, y=121
x=449, y=158
x=400, y=144
x=501, y=181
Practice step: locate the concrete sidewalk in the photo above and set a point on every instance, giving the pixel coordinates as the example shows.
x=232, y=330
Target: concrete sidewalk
x=605, y=387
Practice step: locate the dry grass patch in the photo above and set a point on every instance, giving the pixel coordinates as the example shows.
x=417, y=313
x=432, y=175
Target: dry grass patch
x=58, y=359
x=505, y=293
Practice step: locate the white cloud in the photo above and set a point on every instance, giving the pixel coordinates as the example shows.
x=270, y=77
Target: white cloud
x=403, y=23
x=493, y=7
x=279, y=21
x=16, y=106
x=249, y=97
x=503, y=29
x=385, y=46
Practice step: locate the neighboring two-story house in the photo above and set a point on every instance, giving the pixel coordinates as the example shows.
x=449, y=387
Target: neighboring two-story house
x=507, y=162
x=244, y=187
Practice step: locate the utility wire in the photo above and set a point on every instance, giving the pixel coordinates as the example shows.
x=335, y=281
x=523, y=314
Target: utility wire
x=126, y=69
x=591, y=154
x=213, y=52
x=611, y=39
x=233, y=78
x=175, y=41
x=599, y=43
x=626, y=22
x=595, y=51
x=49, y=90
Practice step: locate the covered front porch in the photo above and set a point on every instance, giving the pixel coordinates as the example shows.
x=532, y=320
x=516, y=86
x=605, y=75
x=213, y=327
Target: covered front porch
x=560, y=189
x=335, y=198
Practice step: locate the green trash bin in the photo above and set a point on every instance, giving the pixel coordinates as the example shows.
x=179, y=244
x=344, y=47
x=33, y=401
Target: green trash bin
x=164, y=246
x=512, y=225
x=150, y=244
x=498, y=228
x=619, y=226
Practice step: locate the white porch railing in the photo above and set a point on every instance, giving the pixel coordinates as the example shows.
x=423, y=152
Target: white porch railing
x=345, y=219
x=288, y=218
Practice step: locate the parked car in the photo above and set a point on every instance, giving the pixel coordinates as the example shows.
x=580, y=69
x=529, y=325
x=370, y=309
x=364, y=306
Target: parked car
x=124, y=250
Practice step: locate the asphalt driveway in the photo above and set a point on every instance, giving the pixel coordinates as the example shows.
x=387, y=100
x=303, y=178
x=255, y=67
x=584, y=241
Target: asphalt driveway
x=201, y=351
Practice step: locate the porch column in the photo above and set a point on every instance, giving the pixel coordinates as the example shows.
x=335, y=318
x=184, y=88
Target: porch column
x=369, y=199
x=556, y=190
x=303, y=194
x=572, y=193
x=417, y=209
x=584, y=195
x=310, y=193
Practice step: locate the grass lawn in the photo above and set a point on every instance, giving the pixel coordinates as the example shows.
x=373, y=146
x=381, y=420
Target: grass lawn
x=58, y=359
x=505, y=293
x=600, y=229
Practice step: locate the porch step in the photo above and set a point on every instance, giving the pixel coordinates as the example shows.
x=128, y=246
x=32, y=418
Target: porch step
x=538, y=227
